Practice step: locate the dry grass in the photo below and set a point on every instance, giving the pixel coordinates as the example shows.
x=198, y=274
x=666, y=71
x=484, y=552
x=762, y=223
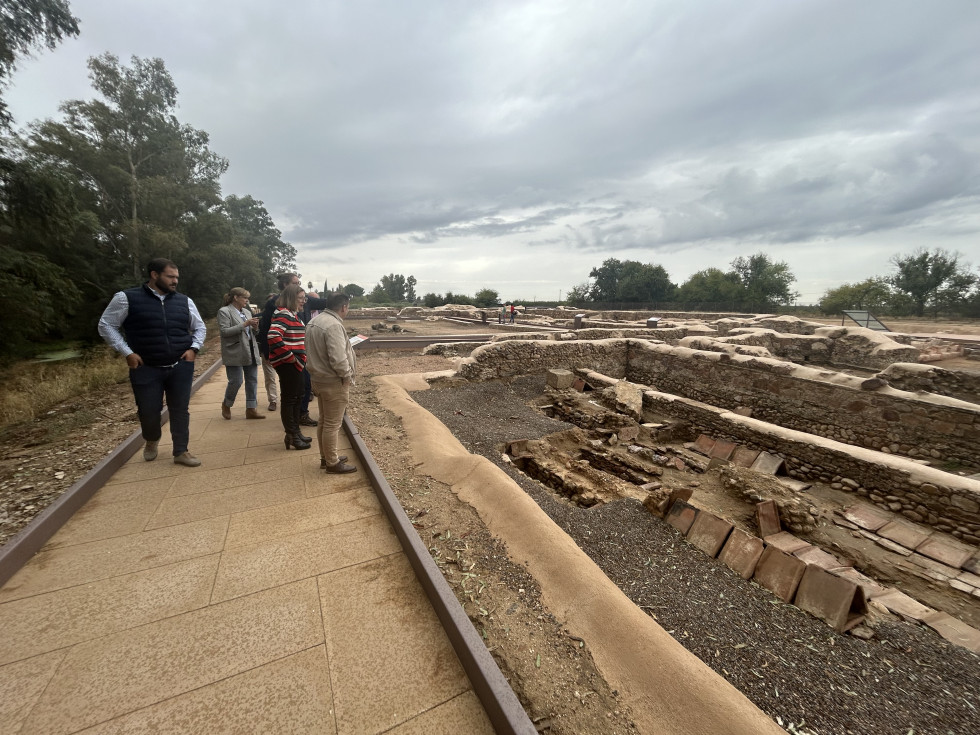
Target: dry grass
x=29, y=389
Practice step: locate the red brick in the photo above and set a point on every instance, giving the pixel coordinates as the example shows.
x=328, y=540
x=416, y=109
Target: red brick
x=837, y=601
x=867, y=516
x=779, y=573
x=948, y=552
x=704, y=444
x=817, y=557
x=767, y=518
x=786, y=542
x=766, y=463
x=904, y=533
x=709, y=533
x=681, y=516
x=954, y=631
x=744, y=457
x=722, y=449
x=741, y=553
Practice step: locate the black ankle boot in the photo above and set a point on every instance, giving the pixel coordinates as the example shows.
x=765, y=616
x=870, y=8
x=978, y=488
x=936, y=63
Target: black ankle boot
x=294, y=441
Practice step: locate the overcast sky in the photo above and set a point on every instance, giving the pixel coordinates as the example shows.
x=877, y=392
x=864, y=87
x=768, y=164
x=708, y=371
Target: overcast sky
x=517, y=145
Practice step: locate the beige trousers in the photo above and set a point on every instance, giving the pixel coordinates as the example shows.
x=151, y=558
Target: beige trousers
x=332, y=397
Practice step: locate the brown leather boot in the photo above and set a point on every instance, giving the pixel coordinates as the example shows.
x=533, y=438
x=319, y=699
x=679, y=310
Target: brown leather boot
x=226, y=412
x=253, y=413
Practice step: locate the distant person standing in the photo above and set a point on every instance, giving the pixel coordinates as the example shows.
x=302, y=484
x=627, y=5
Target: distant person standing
x=503, y=314
x=332, y=365
x=268, y=372
x=239, y=352
x=160, y=332
x=513, y=313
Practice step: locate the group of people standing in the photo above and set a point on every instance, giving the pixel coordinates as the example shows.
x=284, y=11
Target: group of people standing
x=160, y=333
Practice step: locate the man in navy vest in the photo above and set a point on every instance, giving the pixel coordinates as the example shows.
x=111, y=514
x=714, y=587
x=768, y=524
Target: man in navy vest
x=160, y=333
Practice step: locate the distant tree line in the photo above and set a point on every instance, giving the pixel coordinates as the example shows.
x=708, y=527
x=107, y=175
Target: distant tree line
x=88, y=199
x=756, y=283
x=924, y=282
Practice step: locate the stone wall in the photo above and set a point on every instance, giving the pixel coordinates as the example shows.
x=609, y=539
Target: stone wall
x=824, y=403
x=944, y=501
x=917, y=377
x=848, y=346
x=819, y=402
x=530, y=357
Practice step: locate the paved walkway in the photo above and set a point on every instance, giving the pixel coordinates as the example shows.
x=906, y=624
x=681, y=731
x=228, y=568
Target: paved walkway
x=252, y=594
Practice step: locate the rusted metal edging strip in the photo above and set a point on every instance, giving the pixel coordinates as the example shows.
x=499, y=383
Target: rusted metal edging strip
x=17, y=551
x=495, y=694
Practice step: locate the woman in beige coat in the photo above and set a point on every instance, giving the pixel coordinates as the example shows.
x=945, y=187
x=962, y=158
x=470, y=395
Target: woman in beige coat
x=239, y=352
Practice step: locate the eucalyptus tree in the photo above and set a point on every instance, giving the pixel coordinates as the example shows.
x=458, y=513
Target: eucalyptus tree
x=26, y=25
x=146, y=173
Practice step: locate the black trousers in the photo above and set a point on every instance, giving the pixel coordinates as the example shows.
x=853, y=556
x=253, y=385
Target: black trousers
x=292, y=385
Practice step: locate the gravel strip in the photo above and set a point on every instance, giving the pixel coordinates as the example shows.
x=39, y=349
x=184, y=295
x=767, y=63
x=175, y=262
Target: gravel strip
x=795, y=668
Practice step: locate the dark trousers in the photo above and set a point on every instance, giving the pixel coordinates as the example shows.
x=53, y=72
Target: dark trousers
x=150, y=385
x=291, y=388
x=304, y=404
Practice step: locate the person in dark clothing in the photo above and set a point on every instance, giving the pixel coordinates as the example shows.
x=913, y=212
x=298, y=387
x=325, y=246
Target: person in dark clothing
x=313, y=303
x=160, y=332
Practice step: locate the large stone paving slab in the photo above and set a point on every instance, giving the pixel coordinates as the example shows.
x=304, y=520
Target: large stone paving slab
x=73, y=565
x=124, y=672
x=420, y=670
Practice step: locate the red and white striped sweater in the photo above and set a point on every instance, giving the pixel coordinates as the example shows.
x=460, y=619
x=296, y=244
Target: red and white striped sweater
x=287, y=336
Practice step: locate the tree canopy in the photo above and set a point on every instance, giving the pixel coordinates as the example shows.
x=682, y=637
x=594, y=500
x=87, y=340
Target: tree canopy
x=26, y=25
x=87, y=200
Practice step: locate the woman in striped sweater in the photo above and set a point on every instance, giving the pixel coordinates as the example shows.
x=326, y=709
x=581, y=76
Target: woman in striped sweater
x=287, y=353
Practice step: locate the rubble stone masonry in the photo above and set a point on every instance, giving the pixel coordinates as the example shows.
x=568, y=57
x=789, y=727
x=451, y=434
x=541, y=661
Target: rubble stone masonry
x=829, y=410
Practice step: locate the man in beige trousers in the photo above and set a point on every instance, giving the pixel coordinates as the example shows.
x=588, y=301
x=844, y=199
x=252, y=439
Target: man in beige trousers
x=331, y=363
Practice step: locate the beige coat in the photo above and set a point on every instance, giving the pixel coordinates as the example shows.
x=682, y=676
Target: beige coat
x=234, y=341
x=329, y=353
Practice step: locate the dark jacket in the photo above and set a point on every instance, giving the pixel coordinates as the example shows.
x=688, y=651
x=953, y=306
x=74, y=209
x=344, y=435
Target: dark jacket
x=313, y=303
x=157, y=331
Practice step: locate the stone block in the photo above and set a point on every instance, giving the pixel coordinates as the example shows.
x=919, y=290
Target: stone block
x=703, y=444
x=906, y=534
x=779, y=573
x=741, y=553
x=954, y=631
x=869, y=586
x=717, y=462
x=972, y=565
x=948, y=552
x=560, y=379
x=722, y=449
x=837, y=601
x=817, y=557
x=901, y=604
x=768, y=464
x=709, y=533
x=890, y=545
x=786, y=542
x=867, y=516
x=743, y=411
x=681, y=516
x=767, y=518
x=744, y=457
x=580, y=385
